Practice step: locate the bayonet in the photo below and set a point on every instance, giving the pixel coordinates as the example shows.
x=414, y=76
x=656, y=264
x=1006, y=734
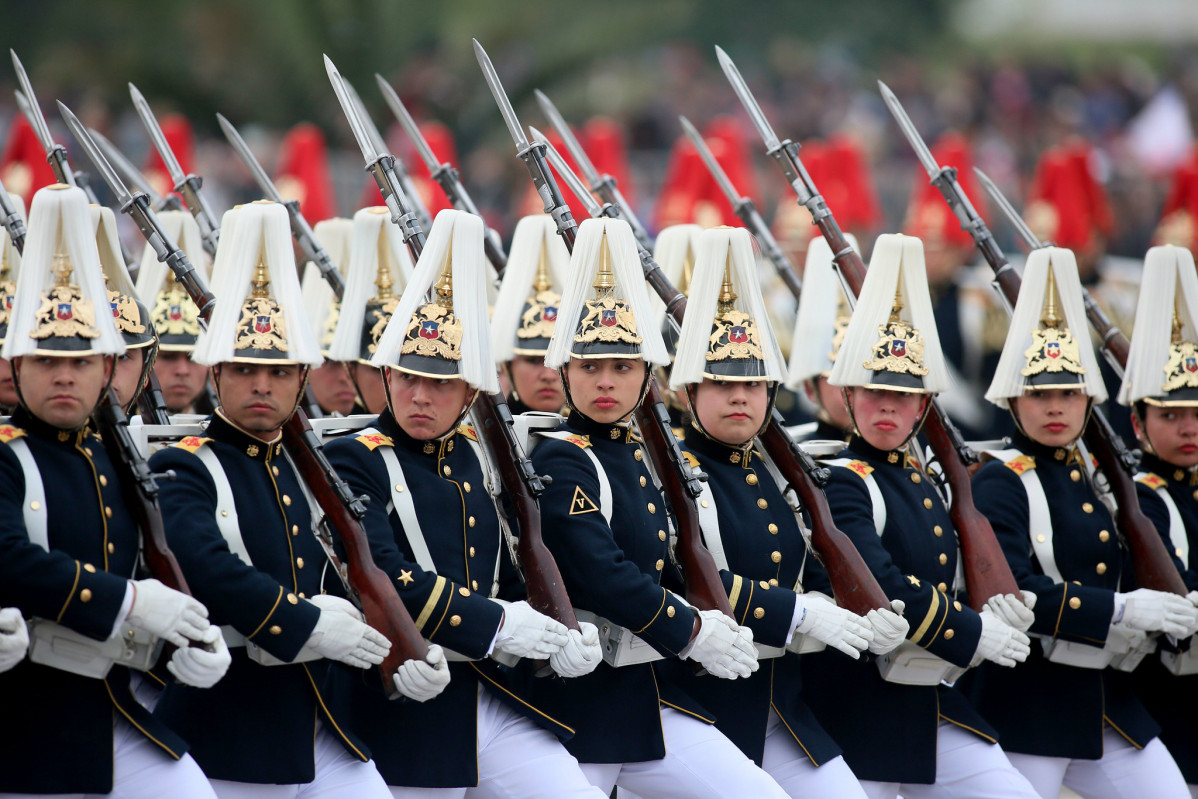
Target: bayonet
x=56, y=154
x=531, y=153
x=444, y=174
x=188, y=186
x=745, y=209
x=12, y=220
x=131, y=175
x=604, y=184
x=380, y=164
x=573, y=181
x=137, y=205
x=1029, y=238
x=301, y=231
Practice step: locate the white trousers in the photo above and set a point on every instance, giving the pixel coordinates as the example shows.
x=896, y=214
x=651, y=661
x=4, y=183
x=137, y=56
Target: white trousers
x=339, y=775
x=699, y=762
x=516, y=758
x=1123, y=772
x=141, y=770
x=967, y=767
x=786, y=762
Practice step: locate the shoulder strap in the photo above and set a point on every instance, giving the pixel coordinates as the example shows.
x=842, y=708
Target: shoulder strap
x=1177, y=526
x=709, y=521
x=34, y=506
x=875, y=493
x=226, y=506
x=1039, y=518
x=605, y=501
x=402, y=504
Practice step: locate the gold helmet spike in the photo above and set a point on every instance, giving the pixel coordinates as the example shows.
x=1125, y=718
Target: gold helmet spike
x=1054, y=358
x=898, y=355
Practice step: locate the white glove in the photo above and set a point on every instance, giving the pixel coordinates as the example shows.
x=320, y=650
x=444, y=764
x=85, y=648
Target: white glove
x=167, y=613
x=825, y=621
x=1000, y=642
x=581, y=655
x=1014, y=610
x=889, y=626
x=527, y=633
x=423, y=680
x=1152, y=611
x=340, y=634
x=722, y=647
x=14, y=638
x=201, y=666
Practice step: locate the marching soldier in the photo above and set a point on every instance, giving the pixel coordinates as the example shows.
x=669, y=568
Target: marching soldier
x=525, y=312
x=1078, y=721
x=605, y=521
x=70, y=547
x=379, y=269
x=1165, y=417
x=329, y=384
x=728, y=366
x=241, y=527
x=903, y=728
x=435, y=531
x=10, y=266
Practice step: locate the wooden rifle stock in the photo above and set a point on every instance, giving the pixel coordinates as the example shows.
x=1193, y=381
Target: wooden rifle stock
x=522, y=486
x=704, y=588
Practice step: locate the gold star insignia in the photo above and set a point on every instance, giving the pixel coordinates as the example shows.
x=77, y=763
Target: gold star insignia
x=405, y=577
x=911, y=578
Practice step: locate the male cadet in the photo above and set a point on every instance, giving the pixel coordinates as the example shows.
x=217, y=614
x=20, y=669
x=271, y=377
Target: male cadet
x=69, y=546
x=10, y=264
x=242, y=530
x=175, y=317
x=434, y=530
x=330, y=388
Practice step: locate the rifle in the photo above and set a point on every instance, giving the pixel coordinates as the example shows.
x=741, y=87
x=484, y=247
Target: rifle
x=151, y=403
x=543, y=580
x=1150, y=559
x=132, y=176
x=986, y=570
x=368, y=584
x=853, y=584
x=12, y=221
x=444, y=174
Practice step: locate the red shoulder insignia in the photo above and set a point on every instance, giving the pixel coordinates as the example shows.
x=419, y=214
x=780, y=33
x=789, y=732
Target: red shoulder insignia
x=1151, y=480
x=582, y=442
x=468, y=432
x=10, y=433
x=1021, y=464
x=192, y=443
x=861, y=468
x=373, y=440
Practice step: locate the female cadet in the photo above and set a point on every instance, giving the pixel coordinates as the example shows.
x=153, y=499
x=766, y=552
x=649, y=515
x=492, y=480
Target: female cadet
x=525, y=312
x=1088, y=730
x=605, y=521
x=1161, y=386
x=728, y=367
x=902, y=729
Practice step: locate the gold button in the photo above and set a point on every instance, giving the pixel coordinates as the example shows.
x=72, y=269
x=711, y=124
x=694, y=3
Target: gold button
x=776, y=556
x=1060, y=454
x=773, y=581
x=1075, y=475
x=751, y=479
x=287, y=500
x=466, y=487
x=63, y=435
x=88, y=450
x=111, y=547
x=644, y=482
x=943, y=558
x=85, y=595
x=224, y=513
x=275, y=629
x=1104, y=536
x=464, y=591
x=761, y=503
x=274, y=470
x=90, y=569
x=35, y=505
x=703, y=503
x=455, y=620
x=1100, y=568
x=661, y=564
x=293, y=599
x=103, y=480
x=759, y=613
x=299, y=562
x=773, y=528
x=446, y=470
x=637, y=454
x=399, y=488
x=302, y=596
x=1041, y=538
x=942, y=588
x=295, y=529
x=108, y=511
x=764, y=585
x=1179, y=474
x=948, y=634
x=652, y=508
x=915, y=477
x=927, y=503
x=661, y=535
x=1075, y=603
x=957, y=606
x=1087, y=507
x=938, y=531
x=471, y=521
x=471, y=551
x=474, y=584
x=670, y=609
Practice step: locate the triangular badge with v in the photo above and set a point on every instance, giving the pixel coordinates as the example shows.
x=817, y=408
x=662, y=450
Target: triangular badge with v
x=581, y=503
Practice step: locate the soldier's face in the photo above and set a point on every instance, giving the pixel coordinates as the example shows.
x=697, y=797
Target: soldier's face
x=1172, y=432
x=1052, y=417
x=536, y=384
x=426, y=407
x=885, y=419
x=605, y=389
x=332, y=387
x=62, y=390
x=731, y=412
x=830, y=400
x=370, y=387
x=126, y=378
x=258, y=398
x=181, y=379
x=8, y=390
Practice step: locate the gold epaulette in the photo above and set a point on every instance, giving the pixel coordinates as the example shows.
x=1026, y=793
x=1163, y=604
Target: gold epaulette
x=10, y=433
x=1021, y=464
x=582, y=442
x=372, y=440
x=468, y=432
x=861, y=468
x=691, y=459
x=1151, y=480
x=191, y=443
